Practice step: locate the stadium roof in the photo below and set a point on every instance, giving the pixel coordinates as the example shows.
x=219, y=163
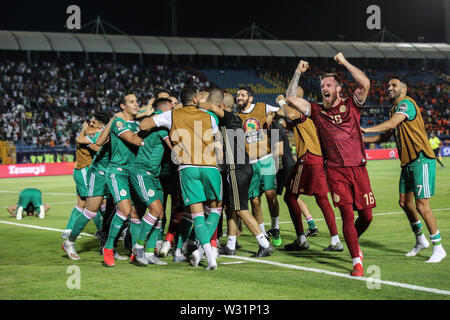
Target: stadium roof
x=81, y=42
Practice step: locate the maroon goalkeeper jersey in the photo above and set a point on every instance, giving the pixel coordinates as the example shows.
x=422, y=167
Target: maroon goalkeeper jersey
x=339, y=133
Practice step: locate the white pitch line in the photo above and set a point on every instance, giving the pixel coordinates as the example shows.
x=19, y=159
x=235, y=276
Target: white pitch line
x=344, y=275
x=39, y=227
x=374, y=214
x=290, y=266
x=44, y=193
x=53, y=203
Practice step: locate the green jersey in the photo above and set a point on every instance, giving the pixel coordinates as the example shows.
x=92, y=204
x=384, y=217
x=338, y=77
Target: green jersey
x=123, y=154
x=101, y=158
x=150, y=155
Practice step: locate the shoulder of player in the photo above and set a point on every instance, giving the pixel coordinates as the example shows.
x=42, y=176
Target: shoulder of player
x=405, y=103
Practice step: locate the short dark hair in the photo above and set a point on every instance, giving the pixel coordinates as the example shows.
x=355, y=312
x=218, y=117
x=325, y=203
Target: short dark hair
x=249, y=90
x=30, y=208
x=159, y=90
x=215, y=96
x=188, y=93
x=101, y=116
x=160, y=102
x=400, y=78
x=123, y=99
x=333, y=75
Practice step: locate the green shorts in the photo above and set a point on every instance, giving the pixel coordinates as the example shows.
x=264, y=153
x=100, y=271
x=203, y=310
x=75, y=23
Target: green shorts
x=96, y=183
x=199, y=184
x=147, y=187
x=419, y=177
x=80, y=177
x=30, y=196
x=264, y=177
x=118, y=184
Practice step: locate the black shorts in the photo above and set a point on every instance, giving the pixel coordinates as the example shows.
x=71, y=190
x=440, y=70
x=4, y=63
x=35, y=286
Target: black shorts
x=238, y=184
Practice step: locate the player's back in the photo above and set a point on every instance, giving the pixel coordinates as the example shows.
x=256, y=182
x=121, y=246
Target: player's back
x=339, y=133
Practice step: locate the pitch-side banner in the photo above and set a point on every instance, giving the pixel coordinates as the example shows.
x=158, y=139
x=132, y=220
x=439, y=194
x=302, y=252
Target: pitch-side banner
x=380, y=154
x=36, y=169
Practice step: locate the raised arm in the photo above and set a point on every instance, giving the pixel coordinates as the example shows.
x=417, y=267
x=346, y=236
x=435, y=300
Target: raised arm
x=104, y=136
x=288, y=112
x=362, y=90
x=291, y=93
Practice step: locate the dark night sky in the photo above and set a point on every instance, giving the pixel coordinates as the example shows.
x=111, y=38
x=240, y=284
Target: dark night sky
x=293, y=19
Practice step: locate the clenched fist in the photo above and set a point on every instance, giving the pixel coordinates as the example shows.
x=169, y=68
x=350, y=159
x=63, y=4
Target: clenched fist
x=302, y=66
x=339, y=58
x=280, y=98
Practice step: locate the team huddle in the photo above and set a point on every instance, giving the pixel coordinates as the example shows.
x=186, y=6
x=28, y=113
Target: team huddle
x=210, y=158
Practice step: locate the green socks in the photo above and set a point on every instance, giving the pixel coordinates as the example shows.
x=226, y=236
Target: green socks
x=417, y=228
x=80, y=223
x=310, y=221
x=114, y=229
x=76, y=212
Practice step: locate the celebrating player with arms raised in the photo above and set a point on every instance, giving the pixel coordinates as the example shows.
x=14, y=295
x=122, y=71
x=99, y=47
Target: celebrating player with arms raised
x=337, y=121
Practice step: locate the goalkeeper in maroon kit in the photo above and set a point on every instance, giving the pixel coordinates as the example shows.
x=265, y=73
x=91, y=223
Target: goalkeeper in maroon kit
x=337, y=120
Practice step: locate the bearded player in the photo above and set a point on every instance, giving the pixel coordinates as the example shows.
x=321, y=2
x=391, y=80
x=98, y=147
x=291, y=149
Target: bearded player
x=337, y=121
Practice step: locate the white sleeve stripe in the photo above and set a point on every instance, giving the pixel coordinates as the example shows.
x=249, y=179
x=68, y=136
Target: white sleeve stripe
x=123, y=132
x=407, y=116
x=308, y=111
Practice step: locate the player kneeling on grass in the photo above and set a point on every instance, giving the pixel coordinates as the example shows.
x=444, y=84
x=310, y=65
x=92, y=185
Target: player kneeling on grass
x=418, y=165
x=30, y=200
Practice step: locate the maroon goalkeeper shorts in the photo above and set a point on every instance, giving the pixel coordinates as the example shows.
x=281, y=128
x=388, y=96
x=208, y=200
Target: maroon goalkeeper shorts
x=307, y=179
x=350, y=185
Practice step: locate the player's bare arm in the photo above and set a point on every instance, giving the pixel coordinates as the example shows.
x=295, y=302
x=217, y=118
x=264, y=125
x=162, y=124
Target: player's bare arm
x=131, y=138
x=291, y=93
x=147, y=124
x=104, y=136
x=363, y=82
x=384, y=137
x=390, y=124
x=213, y=108
x=147, y=111
x=288, y=112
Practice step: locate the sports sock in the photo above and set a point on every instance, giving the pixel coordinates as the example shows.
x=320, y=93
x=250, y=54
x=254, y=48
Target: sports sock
x=213, y=240
x=275, y=222
x=263, y=229
x=262, y=240
x=417, y=228
x=175, y=221
x=436, y=238
x=301, y=238
x=356, y=261
x=76, y=212
x=231, y=244
x=98, y=220
x=151, y=242
x=148, y=222
x=213, y=220
x=161, y=230
x=349, y=231
x=295, y=211
x=363, y=220
x=80, y=223
x=116, y=225
x=310, y=221
x=335, y=240
x=328, y=213
x=135, y=227
x=201, y=230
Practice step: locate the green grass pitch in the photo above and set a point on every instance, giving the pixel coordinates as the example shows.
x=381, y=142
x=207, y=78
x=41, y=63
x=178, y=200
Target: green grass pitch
x=33, y=266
